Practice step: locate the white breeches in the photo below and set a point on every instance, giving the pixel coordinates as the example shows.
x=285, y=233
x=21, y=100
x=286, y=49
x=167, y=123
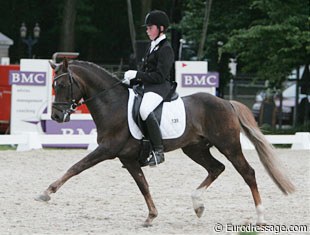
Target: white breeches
x=149, y=102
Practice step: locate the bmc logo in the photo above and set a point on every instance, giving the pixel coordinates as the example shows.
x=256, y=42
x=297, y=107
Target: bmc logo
x=27, y=78
x=78, y=131
x=200, y=79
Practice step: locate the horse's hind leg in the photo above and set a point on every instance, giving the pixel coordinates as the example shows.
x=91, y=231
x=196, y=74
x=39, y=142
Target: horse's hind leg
x=238, y=160
x=98, y=155
x=200, y=153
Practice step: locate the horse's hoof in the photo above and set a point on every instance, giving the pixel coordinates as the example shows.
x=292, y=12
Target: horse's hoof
x=147, y=224
x=42, y=198
x=199, y=211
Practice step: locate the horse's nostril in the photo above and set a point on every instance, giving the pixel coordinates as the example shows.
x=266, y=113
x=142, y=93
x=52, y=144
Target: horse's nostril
x=56, y=117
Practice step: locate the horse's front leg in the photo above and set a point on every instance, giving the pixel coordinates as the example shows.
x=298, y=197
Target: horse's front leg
x=135, y=170
x=98, y=155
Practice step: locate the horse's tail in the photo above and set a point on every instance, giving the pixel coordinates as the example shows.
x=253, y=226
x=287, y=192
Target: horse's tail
x=264, y=149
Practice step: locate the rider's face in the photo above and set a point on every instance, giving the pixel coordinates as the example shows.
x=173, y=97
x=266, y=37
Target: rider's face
x=152, y=31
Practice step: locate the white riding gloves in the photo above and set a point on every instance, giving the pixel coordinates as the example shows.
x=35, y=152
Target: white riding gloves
x=130, y=74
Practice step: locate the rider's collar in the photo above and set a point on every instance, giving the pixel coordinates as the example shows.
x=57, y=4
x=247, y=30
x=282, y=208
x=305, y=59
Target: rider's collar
x=157, y=41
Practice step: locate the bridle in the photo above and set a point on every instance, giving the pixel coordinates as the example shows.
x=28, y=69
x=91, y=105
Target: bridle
x=73, y=104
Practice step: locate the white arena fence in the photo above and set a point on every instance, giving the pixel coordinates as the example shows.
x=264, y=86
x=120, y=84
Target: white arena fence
x=301, y=140
x=32, y=140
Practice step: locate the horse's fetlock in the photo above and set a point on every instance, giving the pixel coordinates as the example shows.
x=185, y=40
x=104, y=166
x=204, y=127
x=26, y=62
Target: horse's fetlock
x=52, y=189
x=221, y=169
x=153, y=214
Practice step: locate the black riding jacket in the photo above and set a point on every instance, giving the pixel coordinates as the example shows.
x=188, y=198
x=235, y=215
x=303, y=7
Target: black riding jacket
x=156, y=68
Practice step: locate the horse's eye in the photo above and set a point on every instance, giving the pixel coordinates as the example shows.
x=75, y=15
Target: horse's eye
x=58, y=85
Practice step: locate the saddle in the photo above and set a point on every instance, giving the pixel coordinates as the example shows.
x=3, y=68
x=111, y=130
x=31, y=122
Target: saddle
x=139, y=92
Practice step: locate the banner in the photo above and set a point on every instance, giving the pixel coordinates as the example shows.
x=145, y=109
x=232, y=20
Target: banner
x=30, y=94
x=193, y=77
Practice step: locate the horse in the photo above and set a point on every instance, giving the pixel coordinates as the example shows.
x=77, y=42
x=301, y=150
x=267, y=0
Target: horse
x=210, y=122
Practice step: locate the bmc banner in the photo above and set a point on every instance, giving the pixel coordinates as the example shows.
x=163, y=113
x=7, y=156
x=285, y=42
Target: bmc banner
x=31, y=103
x=30, y=93
x=193, y=76
x=27, y=78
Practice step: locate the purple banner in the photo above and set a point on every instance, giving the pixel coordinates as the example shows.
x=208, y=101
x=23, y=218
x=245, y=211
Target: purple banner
x=74, y=127
x=200, y=79
x=27, y=78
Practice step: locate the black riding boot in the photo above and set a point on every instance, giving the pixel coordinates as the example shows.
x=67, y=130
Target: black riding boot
x=156, y=140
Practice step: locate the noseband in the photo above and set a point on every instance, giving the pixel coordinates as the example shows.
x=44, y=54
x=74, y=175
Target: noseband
x=73, y=104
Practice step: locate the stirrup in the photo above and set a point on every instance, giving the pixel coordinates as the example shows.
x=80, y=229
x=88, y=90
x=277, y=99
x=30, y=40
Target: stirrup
x=156, y=159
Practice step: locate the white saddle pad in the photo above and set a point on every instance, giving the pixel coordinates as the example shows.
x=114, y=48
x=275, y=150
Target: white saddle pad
x=173, y=119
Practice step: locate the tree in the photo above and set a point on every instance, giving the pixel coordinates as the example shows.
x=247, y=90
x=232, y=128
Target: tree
x=204, y=28
x=269, y=38
x=68, y=26
x=225, y=16
x=97, y=29
x=277, y=42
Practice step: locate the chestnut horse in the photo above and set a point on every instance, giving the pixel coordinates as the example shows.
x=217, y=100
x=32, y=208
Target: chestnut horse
x=210, y=121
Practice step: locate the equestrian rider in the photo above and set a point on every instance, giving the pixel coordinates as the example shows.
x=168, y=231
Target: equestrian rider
x=155, y=78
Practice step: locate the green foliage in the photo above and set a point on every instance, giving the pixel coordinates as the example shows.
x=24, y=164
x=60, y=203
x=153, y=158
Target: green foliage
x=275, y=43
x=192, y=20
x=84, y=19
x=247, y=233
x=225, y=16
x=7, y=147
x=268, y=130
x=269, y=38
x=101, y=30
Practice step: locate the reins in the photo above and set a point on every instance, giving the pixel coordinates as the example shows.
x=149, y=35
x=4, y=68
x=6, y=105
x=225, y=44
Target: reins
x=73, y=104
x=98, y=94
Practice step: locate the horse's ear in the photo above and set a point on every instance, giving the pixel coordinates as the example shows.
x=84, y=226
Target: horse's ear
x=65, y=65
x=52, y=64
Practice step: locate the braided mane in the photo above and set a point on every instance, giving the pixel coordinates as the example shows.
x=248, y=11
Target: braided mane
x=94, y=68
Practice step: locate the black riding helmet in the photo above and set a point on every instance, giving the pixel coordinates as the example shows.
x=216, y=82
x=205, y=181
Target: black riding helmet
x=158, y=18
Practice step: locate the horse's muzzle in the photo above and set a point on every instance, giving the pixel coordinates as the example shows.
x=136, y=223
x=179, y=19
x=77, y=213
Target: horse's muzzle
x=60, y=117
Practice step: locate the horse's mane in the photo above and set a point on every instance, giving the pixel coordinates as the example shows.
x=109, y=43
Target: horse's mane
x=94, y=68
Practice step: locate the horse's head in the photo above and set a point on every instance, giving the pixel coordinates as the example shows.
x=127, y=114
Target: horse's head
x=67, y=92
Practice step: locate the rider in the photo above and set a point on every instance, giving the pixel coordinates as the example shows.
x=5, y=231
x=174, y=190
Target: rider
x=155, y=77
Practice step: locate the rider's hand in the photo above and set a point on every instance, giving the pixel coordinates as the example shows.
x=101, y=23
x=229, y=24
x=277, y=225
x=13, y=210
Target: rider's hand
x=130, y=74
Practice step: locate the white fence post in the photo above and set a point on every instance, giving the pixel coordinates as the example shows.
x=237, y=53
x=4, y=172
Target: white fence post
x=302, y=140
x=245, y=142
x=32, y=142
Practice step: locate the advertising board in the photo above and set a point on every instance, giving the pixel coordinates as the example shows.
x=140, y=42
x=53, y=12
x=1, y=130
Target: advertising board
x=193, y=77
x=32, y=99
x=30, y=95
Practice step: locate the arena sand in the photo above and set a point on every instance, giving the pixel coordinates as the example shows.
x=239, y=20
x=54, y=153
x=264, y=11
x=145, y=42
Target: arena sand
x=106, y=200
